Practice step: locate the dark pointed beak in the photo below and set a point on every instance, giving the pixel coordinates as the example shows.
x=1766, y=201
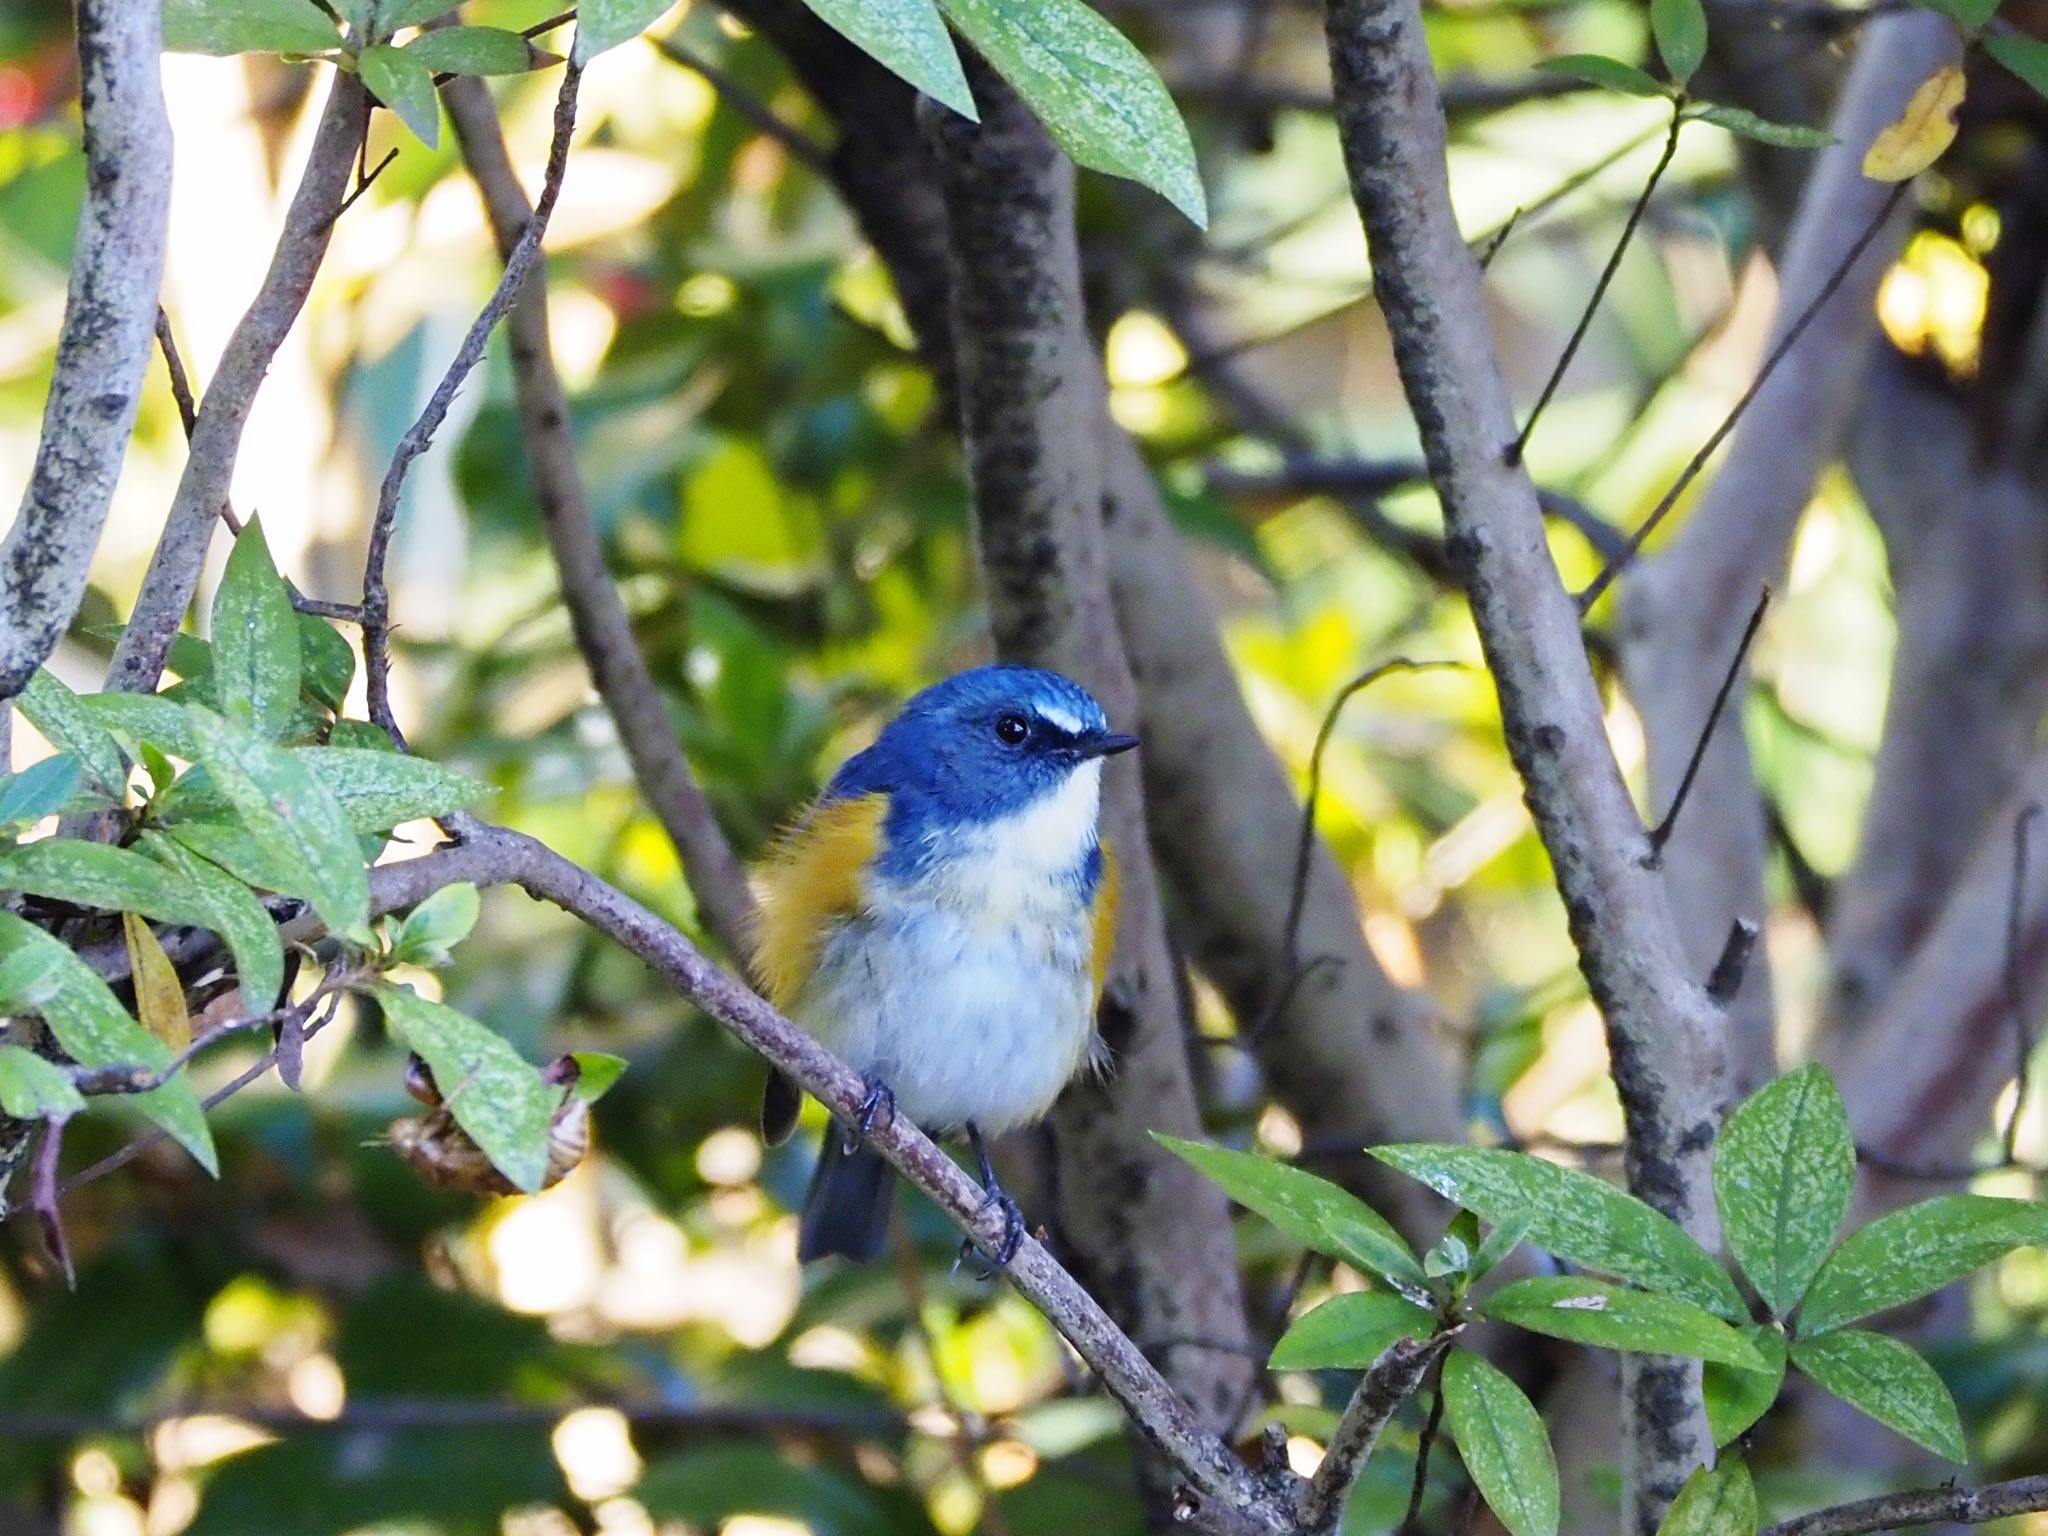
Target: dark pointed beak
x=1105, y=745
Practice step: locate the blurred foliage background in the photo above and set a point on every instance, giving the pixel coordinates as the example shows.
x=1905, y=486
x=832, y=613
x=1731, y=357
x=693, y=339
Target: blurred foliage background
x=318, y=1343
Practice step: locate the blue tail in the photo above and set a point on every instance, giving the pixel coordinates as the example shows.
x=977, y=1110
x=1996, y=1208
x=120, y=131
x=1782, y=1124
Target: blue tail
x=847, y=1209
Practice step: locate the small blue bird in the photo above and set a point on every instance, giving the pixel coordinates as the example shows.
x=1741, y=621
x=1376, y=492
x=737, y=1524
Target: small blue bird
x=941, y=920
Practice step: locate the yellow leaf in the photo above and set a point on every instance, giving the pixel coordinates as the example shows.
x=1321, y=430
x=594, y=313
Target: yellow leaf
x=159, y=995
x=1919, y=137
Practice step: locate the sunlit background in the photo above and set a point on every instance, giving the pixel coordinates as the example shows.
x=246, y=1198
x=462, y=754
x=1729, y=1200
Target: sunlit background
x=786, y=516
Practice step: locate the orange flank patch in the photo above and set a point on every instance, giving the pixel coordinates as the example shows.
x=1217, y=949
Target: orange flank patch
x=1106, y=892
x=813, y=877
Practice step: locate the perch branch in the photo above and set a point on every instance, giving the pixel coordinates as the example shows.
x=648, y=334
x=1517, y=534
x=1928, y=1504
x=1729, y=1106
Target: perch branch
x=1923, y=1506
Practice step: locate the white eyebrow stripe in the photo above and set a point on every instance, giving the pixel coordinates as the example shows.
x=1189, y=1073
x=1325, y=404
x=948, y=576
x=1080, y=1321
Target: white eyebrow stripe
x=1052, y=714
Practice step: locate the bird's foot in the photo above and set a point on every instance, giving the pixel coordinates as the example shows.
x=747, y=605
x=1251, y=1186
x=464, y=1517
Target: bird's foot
x=1013, y=1217
x=876, y=1105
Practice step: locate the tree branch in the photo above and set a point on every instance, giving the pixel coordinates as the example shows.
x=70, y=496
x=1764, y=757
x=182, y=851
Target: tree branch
x=216, y=436
x=524, y=252
x=1925, y=1506
x=1664, y=1033
x=1153, y=1237
x=604, y=632
x=103, y=347
x=1381, y=1391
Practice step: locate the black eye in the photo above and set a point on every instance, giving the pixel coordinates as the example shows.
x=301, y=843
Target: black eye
x=1011, y=730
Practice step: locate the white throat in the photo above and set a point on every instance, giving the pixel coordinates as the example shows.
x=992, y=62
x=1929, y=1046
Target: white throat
x=1050, y=835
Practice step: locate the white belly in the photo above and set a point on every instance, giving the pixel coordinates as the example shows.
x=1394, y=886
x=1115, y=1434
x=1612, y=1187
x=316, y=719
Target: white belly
x=964, y=1018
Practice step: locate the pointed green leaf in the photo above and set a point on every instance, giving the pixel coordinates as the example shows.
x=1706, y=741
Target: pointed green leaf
x=222, y=27
x=95, y=1031
x=908, y=37
x=1575, y=1216
x=1716, y=1501
x=436, y=926
x=1349, y=1332
x=377, y=790
x=1784, y=1173
x=1614, y=1317
x=228, y=907
x=32, y=1088
x=596, y=1071
x=1314, y=1211
x=1680, y=27
x=396, y=15
x=1501, y=1439
x=1097, y=95
x=1883, y=1378
x=39, y=790
x=1763, y=130
x=285, y=806
x=1737, y=1398
x=327, y=662
x=1970, y=15
x=2026, y=57
x=244, y=857
x=99, y=876
x=55, y=710
x=405, y=85
x=255, y=638
x=477, y=51
x=602, y=25
x=494, y=1094
x=1503, y=1240
x=1910, y=1253
x=154, y=718
x=1608, y=74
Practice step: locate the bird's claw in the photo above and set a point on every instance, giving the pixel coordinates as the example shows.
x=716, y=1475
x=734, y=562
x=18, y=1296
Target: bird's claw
x=876, y=1105
x=1006, y=1246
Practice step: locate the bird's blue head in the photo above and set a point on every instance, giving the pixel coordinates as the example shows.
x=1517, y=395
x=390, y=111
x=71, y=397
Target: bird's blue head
x=983, y=749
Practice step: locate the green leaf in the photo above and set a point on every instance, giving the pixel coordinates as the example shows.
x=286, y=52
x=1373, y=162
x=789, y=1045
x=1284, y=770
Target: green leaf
x=596, y=1071
x=1784, y=1173
x=1970, y=15
x=476, y=51
x=154, y=718
x=245, y=857
x=1503, y=1240
x=1349, y=1332
x=1314, y=1211
x=100, y=876
x=1883, y=1378
x=1098, y=97
x=436, y=925
x=602, y=25
x=2026, y=57
x=1715, y=1501
x=255, y=638
x=285, y=806
x=55, y=710
x=377, y=790
x=1575, y=1216
x=38, y=790
x=228, y=907
x=95, y=1031
x=1737, y=1398
x=1608, y=74
x=32, y=1088
x=1763, y=130
x=396, y=15
x=1501, y=1439
x=908, y=37
x=1908, y=1254
x=222, y=27
x=1613, y=1317
x=1680, y=27
x=406, y=86
x=327, y=662
x=494, y=1094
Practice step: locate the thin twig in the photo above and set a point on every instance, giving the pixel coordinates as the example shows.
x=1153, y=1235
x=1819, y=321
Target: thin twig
x=1304, y=843
x=802, y=148
x=181, y=384
x=1411, y=1523
x=1628, y=232
x=49, y=1212
x=1661, y=833
x=364, y=181
x=2015, y=987
x=1725, y=980
x=1698, y=462
x=1924, y=1506
x=1381, y=1391
x=376, y=596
